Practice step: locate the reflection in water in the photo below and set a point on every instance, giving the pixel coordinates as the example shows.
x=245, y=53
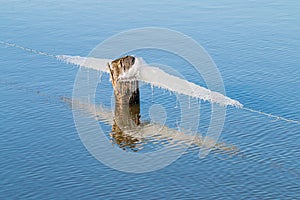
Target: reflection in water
x=158, y=136
x=123, y=140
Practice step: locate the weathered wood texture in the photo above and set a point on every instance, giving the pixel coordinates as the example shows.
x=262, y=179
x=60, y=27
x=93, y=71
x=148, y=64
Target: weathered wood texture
x=127, y=101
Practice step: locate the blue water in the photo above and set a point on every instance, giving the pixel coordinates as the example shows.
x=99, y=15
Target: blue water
x=256, y=47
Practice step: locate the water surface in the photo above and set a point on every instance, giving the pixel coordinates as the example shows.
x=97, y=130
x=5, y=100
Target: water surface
x=255, y=46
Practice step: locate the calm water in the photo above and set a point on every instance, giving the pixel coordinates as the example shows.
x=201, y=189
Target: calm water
x=256, y=48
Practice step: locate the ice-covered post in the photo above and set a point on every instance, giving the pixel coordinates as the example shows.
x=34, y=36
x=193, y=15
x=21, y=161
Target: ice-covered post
x=126, y=92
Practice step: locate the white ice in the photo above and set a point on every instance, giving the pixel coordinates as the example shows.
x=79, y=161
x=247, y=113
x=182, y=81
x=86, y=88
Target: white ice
x=156, y=77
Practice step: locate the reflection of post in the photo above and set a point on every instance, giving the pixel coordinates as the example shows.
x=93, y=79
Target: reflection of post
x=127, y=102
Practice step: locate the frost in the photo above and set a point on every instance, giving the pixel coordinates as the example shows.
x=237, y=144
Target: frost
x=155, y=77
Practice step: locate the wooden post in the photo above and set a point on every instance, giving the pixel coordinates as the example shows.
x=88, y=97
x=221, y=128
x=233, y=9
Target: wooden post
x=127, y=102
